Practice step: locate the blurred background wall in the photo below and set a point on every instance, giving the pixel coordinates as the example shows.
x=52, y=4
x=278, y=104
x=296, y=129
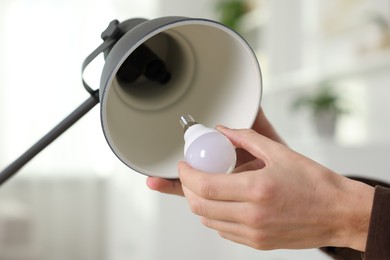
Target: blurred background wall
x=77, y=201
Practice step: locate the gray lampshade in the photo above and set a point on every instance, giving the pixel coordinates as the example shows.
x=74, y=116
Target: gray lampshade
x=214, y=76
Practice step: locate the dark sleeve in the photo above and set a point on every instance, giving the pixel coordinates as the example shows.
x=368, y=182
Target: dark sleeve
x=378, y=240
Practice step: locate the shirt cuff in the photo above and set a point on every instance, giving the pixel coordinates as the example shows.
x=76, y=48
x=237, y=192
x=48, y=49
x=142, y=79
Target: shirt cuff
x=378, y=240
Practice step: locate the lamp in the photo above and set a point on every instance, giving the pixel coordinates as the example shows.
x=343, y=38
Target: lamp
x=155, y=71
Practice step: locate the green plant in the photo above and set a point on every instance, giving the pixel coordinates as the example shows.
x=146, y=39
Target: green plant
x=231, y=12
x=323, y=100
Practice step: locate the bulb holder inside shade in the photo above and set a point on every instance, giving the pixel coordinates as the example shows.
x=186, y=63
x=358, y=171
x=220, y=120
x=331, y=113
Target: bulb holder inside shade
x=213, y=75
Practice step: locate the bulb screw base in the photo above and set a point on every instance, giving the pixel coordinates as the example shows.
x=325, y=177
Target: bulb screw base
x=187, y=121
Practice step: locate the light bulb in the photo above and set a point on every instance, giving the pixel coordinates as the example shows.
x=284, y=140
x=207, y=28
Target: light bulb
x=207, y=149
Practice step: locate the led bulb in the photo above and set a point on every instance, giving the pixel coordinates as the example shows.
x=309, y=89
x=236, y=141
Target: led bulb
x=207, y=149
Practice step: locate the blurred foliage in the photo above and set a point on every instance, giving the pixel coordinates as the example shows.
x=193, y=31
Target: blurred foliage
x=231, y=12
x=324, y=99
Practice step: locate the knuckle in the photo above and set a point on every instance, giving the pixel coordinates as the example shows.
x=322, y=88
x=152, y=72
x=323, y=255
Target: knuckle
x=243, y=137
x=261, y=241
x=255, y=219
x=249, y=132
x=223, y=235
x=206, y=222
x=197, y=207
x=206, y=190
x=263, y=191
x=247, y=136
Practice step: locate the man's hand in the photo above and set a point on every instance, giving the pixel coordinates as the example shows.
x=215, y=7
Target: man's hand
x=261, y=125
x=281, y=200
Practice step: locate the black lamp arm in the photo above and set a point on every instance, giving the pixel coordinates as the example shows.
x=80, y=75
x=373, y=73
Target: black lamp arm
x=110, y=35
x=64, y=125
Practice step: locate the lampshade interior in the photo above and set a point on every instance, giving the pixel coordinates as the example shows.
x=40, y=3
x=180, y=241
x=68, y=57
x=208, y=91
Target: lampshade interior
x=215, y=78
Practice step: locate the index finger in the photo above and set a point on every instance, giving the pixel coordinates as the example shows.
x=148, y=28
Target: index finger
x=224, y=187
x=256, y=144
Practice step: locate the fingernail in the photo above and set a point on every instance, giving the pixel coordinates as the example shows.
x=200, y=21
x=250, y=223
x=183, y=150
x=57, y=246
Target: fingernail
x=222, y=127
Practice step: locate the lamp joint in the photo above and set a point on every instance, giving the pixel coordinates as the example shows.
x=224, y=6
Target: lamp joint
x=112, y=31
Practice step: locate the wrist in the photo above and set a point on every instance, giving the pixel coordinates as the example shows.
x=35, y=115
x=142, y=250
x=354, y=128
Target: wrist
x=356, y=204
